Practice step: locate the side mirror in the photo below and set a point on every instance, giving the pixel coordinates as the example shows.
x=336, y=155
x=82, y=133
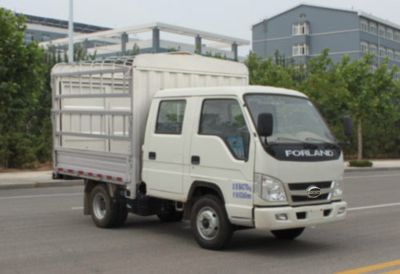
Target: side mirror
x=265, y=124
x=347, y=126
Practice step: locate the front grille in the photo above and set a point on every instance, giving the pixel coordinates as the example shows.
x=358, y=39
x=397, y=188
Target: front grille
x=304, y=186
x=298, y=192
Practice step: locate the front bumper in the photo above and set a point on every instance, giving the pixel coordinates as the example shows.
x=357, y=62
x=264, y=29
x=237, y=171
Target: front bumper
x=302, y=216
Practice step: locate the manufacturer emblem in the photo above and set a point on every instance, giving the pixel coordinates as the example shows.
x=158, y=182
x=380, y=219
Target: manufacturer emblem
x=313, y=192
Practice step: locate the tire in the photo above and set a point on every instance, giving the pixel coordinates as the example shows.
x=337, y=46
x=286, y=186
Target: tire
x=210, y=224
x=170, y=216
x=288, y=234
x=105, y=212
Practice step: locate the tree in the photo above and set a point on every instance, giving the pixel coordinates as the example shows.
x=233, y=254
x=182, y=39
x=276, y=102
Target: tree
x=326, y=87
x=172, y=49
x=21, y=79
x=265, y=72
x=216, y=55
x=382, y=133
x=358, y=76
x=134, y=51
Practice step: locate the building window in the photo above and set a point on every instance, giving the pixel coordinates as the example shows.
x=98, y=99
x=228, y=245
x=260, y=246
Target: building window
x=382, y=52
x=373, y=49
x=295, y=50
x=45, y=38
x=170, y=117
x=300, y=50
x=396, y=36
x=389, y=34
x=372, y=28
x=397, y=55
x=295, y=29
x=390, y=54
x=364, y=25
x=382, y=31
x=28, y=37
x=364, y=47
x=300, y=29
x=300, y=66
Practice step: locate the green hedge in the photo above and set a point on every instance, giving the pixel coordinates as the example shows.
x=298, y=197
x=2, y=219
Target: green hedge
x=360, y=163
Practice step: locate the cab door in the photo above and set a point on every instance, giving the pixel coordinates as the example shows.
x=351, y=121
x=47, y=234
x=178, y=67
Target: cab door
x=222, y=153
x=163, y=149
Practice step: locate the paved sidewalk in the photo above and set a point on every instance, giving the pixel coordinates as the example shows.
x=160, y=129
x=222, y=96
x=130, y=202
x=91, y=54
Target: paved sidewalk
x=31, y=179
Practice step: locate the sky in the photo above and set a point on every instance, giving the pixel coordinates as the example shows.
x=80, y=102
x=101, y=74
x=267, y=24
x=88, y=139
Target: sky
x=228, y=17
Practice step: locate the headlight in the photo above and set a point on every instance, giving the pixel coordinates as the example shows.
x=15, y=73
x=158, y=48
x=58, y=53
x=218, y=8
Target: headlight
x=269, y=189
x=337, y=188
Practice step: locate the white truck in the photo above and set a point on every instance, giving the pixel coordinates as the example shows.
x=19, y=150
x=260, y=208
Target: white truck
x=184, y=136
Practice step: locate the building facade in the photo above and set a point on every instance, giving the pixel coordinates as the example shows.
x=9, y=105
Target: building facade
x=305, y=31
x=42, y=29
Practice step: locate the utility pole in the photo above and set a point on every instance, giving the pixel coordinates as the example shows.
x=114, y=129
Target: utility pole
x=71, y=32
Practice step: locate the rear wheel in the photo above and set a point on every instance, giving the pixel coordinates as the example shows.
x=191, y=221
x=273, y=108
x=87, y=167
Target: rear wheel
x=105, y=211
x=210, y=223
x=288, y=234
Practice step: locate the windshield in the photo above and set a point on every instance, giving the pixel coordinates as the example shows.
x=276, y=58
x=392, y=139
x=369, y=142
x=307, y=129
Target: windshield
x=294, y=119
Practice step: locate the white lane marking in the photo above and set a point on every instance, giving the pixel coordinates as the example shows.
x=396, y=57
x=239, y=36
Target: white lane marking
x=77, y=208
x=372, y=207
x=372, y=176
x=41, y=196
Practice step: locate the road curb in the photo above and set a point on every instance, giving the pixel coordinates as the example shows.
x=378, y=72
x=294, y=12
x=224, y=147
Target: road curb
x=357, y=169
x=54, y=183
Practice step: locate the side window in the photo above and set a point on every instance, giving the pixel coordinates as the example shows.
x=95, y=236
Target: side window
x=224, y=118
x=170, y=117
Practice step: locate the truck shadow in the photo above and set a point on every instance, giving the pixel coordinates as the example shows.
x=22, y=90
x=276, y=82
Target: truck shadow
x=179, y=230
x=247, y=241
x=262, y=242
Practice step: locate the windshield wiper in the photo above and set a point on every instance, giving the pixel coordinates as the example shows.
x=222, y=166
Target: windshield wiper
x=288, y=139
x=316, y=139
x=327, y=143
x=297, y=141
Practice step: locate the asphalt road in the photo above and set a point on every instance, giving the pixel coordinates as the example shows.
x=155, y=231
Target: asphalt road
x=44, y=231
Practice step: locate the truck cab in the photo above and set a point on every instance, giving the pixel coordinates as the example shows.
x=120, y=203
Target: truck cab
x=237, y=157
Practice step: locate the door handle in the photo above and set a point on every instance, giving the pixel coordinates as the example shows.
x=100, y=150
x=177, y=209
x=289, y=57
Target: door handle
x=195, y=160
x=152, y=155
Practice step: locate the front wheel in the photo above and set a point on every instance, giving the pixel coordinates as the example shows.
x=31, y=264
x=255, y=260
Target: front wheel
x=288, y=234
x=210, y=223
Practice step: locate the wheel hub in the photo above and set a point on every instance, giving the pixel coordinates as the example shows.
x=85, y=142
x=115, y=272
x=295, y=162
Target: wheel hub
x=99, y=206
x=207, y=223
